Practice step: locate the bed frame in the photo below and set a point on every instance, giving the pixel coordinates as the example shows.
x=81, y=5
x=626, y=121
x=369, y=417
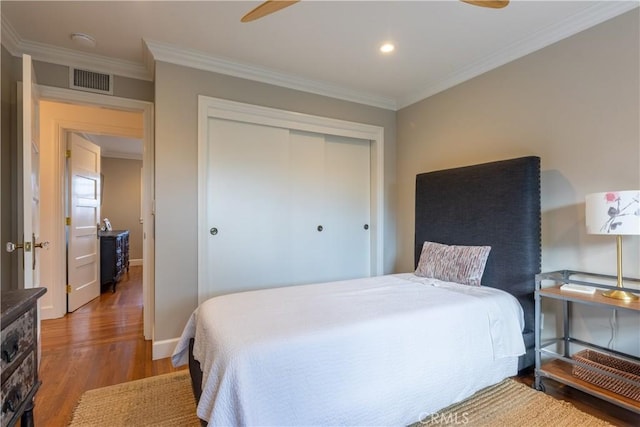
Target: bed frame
x=495, y=204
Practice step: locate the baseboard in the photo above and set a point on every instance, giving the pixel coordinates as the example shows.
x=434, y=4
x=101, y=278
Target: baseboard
x=48, y=312
x=164, y=348
x=134, y=262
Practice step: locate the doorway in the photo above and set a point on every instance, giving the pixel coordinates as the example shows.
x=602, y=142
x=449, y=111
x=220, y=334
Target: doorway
x=121, y=187
x=137, y=116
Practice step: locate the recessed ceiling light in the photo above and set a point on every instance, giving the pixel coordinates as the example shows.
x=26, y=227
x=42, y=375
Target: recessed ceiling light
x=387, y=48
x=83, y=39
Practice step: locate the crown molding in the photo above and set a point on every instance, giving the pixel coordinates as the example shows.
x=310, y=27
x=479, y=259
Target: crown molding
x=159, y=51
x=196, y=59
x=9, y=37
x=596, y=14
x=71, y=58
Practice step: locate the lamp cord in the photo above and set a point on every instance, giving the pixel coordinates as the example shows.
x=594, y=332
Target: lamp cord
x=614, y=329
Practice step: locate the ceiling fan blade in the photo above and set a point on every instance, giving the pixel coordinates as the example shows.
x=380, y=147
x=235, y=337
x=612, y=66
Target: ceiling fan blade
x=267, y=8
x=493, y=4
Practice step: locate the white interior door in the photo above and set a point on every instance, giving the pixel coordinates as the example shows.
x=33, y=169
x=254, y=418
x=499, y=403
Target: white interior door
x=83, y=253
x=29, y=179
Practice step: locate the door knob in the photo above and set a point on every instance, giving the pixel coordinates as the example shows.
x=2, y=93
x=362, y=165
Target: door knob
x=11, y=247
x=40, y=245
x=43, y=245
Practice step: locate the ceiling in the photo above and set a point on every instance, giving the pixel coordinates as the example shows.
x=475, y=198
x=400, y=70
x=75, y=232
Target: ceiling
x=117, y=146
x=325, y=47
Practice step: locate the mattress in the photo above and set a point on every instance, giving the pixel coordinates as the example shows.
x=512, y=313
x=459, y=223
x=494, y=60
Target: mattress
x=387, y=350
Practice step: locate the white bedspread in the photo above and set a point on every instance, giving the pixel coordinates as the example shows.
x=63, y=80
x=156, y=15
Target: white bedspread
x=386, y=350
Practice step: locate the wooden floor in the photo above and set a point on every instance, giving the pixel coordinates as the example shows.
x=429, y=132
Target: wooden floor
x=102, y=344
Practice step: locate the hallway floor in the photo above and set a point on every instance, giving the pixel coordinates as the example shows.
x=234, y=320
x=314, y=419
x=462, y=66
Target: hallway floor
x=99, y=344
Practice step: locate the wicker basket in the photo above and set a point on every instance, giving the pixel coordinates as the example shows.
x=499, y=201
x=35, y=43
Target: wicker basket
x=621, y=367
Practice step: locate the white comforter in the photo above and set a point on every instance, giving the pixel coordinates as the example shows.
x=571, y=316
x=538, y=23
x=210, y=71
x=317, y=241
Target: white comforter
x=386, y=350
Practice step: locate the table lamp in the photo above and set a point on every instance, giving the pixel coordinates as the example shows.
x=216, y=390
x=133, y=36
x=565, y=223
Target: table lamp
x=616, y=213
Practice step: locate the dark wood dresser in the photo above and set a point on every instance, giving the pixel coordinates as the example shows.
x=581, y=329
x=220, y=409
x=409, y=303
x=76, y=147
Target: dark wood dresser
x=19, y=355
x=114, y=256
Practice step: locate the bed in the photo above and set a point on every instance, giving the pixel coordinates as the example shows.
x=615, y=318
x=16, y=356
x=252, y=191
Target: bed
x=387, y=350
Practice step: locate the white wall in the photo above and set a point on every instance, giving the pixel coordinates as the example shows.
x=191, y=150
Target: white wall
x=576, y=105
x=177, y=90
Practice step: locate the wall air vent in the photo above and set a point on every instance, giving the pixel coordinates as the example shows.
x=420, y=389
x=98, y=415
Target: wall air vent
x=90, y=81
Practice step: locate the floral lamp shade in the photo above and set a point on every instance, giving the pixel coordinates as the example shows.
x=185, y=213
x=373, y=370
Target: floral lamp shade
x=616, y=213
x=613, y=212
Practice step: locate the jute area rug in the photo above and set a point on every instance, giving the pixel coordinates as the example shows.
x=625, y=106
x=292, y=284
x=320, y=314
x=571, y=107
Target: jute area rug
x=167, y=400
x=510, y=404
x=164, y=401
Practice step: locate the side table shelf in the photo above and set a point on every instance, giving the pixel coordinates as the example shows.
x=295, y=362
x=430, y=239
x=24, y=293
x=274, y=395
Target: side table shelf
x=559, y=351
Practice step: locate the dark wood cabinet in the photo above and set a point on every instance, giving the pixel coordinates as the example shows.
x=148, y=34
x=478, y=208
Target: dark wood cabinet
x=114, y=256
x=19, y=361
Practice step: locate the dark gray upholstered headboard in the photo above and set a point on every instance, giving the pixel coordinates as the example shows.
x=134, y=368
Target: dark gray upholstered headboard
x=495, y=204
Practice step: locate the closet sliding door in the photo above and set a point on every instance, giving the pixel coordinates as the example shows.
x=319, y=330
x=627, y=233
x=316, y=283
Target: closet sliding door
x=248, y=186
x=347, y=179
x=286, y=207
x=330, y=208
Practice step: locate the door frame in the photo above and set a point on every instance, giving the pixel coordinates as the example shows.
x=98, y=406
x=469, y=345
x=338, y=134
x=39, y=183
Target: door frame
x=58, y=284
x=209, y=107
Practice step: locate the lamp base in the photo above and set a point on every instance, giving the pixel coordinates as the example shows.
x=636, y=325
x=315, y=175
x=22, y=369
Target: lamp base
x=623, y=295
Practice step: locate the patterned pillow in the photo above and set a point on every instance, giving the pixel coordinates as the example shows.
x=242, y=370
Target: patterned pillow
x=460, y=264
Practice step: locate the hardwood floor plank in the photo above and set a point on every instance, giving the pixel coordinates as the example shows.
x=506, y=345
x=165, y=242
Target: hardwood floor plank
x=98, y=345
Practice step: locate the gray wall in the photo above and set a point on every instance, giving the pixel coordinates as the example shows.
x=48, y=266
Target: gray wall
x=576, y=104
x=121, y=199
x=124, y=87
x=177, y=90
x=7, y=171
